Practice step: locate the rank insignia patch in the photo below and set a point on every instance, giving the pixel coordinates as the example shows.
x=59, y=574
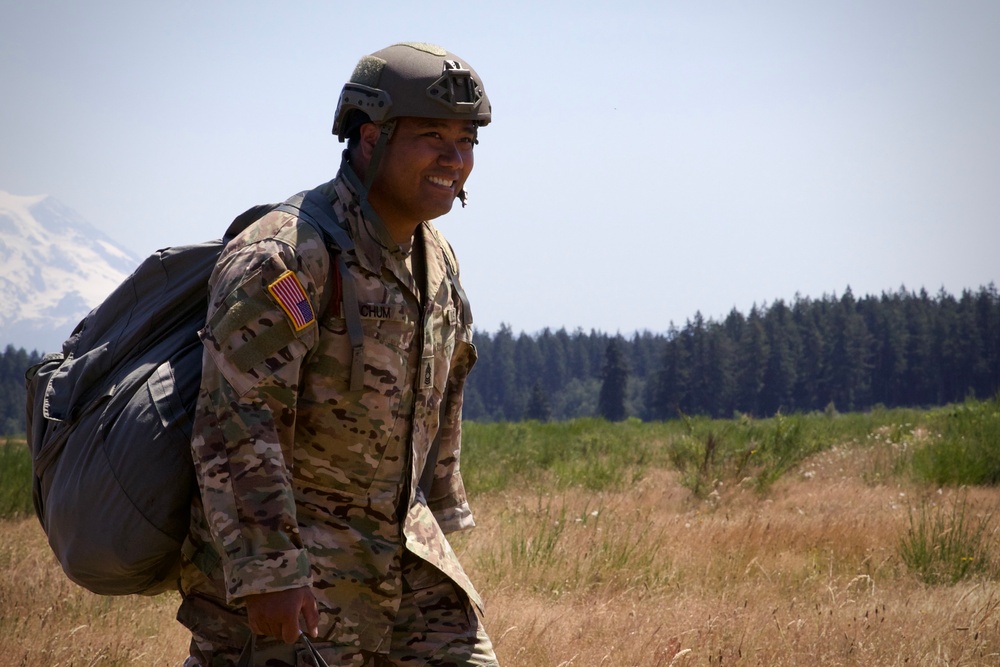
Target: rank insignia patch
x=288, y=292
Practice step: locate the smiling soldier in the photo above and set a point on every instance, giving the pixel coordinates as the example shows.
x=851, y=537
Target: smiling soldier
x=328, y=424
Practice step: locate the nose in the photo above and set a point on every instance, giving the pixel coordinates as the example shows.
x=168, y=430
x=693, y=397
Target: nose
x=451, y=155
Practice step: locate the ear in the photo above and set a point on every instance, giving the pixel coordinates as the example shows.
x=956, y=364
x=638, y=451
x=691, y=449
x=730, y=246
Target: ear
x=368, y=138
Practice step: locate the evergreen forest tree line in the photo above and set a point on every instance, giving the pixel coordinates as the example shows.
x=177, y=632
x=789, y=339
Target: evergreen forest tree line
x=898, y=349
x=13, y=364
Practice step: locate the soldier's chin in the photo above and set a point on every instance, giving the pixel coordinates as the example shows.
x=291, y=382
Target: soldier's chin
x=438, y=211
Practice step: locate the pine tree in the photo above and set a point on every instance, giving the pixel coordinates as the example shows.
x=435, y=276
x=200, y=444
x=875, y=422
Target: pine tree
x=614, y=384
x=721, y=372
x=988, y=324
x=784, y=350
x=886, y=320
x=850, y=356
x=509, y=405
x=699, y=398
x=13, y=364
x=752, y=353
x=538, y=408
x=922, y=385
x=668, y=387
x=810, y=393
x=529, y=369
x=578, y=356
x=553, y=350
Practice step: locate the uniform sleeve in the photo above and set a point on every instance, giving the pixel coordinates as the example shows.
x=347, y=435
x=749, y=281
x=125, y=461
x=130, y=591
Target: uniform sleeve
x=261, y=324
x=447, y=497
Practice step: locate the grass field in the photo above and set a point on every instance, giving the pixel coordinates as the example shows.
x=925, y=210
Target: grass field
x=805, y=540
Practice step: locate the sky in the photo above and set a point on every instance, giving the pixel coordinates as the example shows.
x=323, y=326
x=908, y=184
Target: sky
x=646, y=160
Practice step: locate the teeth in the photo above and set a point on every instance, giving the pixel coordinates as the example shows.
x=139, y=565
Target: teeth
x=441, y=181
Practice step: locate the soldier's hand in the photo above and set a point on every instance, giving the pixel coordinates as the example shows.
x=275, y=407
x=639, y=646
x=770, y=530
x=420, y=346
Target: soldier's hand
x=277, y=614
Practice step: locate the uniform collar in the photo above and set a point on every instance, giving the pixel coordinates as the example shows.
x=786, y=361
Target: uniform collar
x=366, y=229
x=377, y=249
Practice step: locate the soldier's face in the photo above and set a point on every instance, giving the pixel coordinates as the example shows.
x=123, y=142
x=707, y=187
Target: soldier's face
x=425, y=166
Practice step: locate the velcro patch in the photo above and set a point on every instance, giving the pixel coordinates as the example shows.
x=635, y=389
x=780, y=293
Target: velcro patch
x=375, y=311
x=288, y=292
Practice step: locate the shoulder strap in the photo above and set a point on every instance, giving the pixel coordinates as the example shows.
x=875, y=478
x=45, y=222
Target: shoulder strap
x=451, y=266
x=313, y=207
x=466, y=308
x=245, y=219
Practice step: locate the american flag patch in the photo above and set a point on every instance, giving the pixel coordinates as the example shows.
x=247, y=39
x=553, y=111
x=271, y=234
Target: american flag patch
x=288, y=292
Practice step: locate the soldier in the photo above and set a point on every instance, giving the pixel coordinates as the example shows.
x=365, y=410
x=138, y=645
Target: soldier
x=328, y=424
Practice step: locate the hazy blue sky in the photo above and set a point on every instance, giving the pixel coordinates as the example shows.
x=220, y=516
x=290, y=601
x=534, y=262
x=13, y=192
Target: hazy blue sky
x=647, y=159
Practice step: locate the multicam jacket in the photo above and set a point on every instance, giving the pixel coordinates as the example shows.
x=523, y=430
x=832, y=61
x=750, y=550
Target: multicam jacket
x=304, y=481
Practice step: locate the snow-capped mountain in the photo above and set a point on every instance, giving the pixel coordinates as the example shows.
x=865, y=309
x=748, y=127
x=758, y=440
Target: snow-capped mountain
x=54, y=268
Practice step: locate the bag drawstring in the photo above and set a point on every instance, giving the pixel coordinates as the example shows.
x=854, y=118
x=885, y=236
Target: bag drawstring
x=246, y=657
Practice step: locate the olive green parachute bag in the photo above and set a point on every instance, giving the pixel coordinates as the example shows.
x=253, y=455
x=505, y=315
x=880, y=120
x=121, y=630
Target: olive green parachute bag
x=109, y=418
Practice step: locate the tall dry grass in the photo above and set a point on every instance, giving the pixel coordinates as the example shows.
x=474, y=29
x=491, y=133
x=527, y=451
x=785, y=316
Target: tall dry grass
x=649, y=574
x=810, y=575
x=46, y=620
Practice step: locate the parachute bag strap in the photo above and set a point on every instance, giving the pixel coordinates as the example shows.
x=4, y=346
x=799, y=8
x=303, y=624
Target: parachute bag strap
x=245, y=219
x=335, y=296
x=341, y=292
x=462, y=296
x=246, y=657
x=293, y=206
x=355, y=332
x=314, y=208
x=320, y=219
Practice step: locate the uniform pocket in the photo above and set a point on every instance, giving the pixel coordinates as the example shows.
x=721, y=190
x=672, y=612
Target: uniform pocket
x=353, y=442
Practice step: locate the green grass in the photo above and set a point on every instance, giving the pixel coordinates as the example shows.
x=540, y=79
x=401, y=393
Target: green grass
x=962, y=447
x=759, y=452
x=945, y=545
x=588, y=453
x=15, y=479
x=966, y=450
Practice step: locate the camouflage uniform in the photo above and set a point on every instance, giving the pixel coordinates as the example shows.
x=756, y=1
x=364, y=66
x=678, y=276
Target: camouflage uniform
x=306, y=482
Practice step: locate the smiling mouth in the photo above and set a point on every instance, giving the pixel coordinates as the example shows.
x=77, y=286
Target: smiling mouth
x=443, y=182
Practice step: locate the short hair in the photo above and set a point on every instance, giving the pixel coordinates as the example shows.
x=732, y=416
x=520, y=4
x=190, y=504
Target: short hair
x=352, y=125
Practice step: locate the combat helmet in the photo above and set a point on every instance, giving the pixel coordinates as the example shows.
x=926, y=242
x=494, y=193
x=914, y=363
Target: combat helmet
x=410, y=79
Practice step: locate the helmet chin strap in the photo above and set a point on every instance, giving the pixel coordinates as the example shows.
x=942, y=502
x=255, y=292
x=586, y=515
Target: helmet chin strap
x=373, y=218
x=385, y=131
x=378, y=151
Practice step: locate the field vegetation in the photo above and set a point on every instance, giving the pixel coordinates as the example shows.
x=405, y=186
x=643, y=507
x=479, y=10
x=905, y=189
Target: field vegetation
x=808, y=539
